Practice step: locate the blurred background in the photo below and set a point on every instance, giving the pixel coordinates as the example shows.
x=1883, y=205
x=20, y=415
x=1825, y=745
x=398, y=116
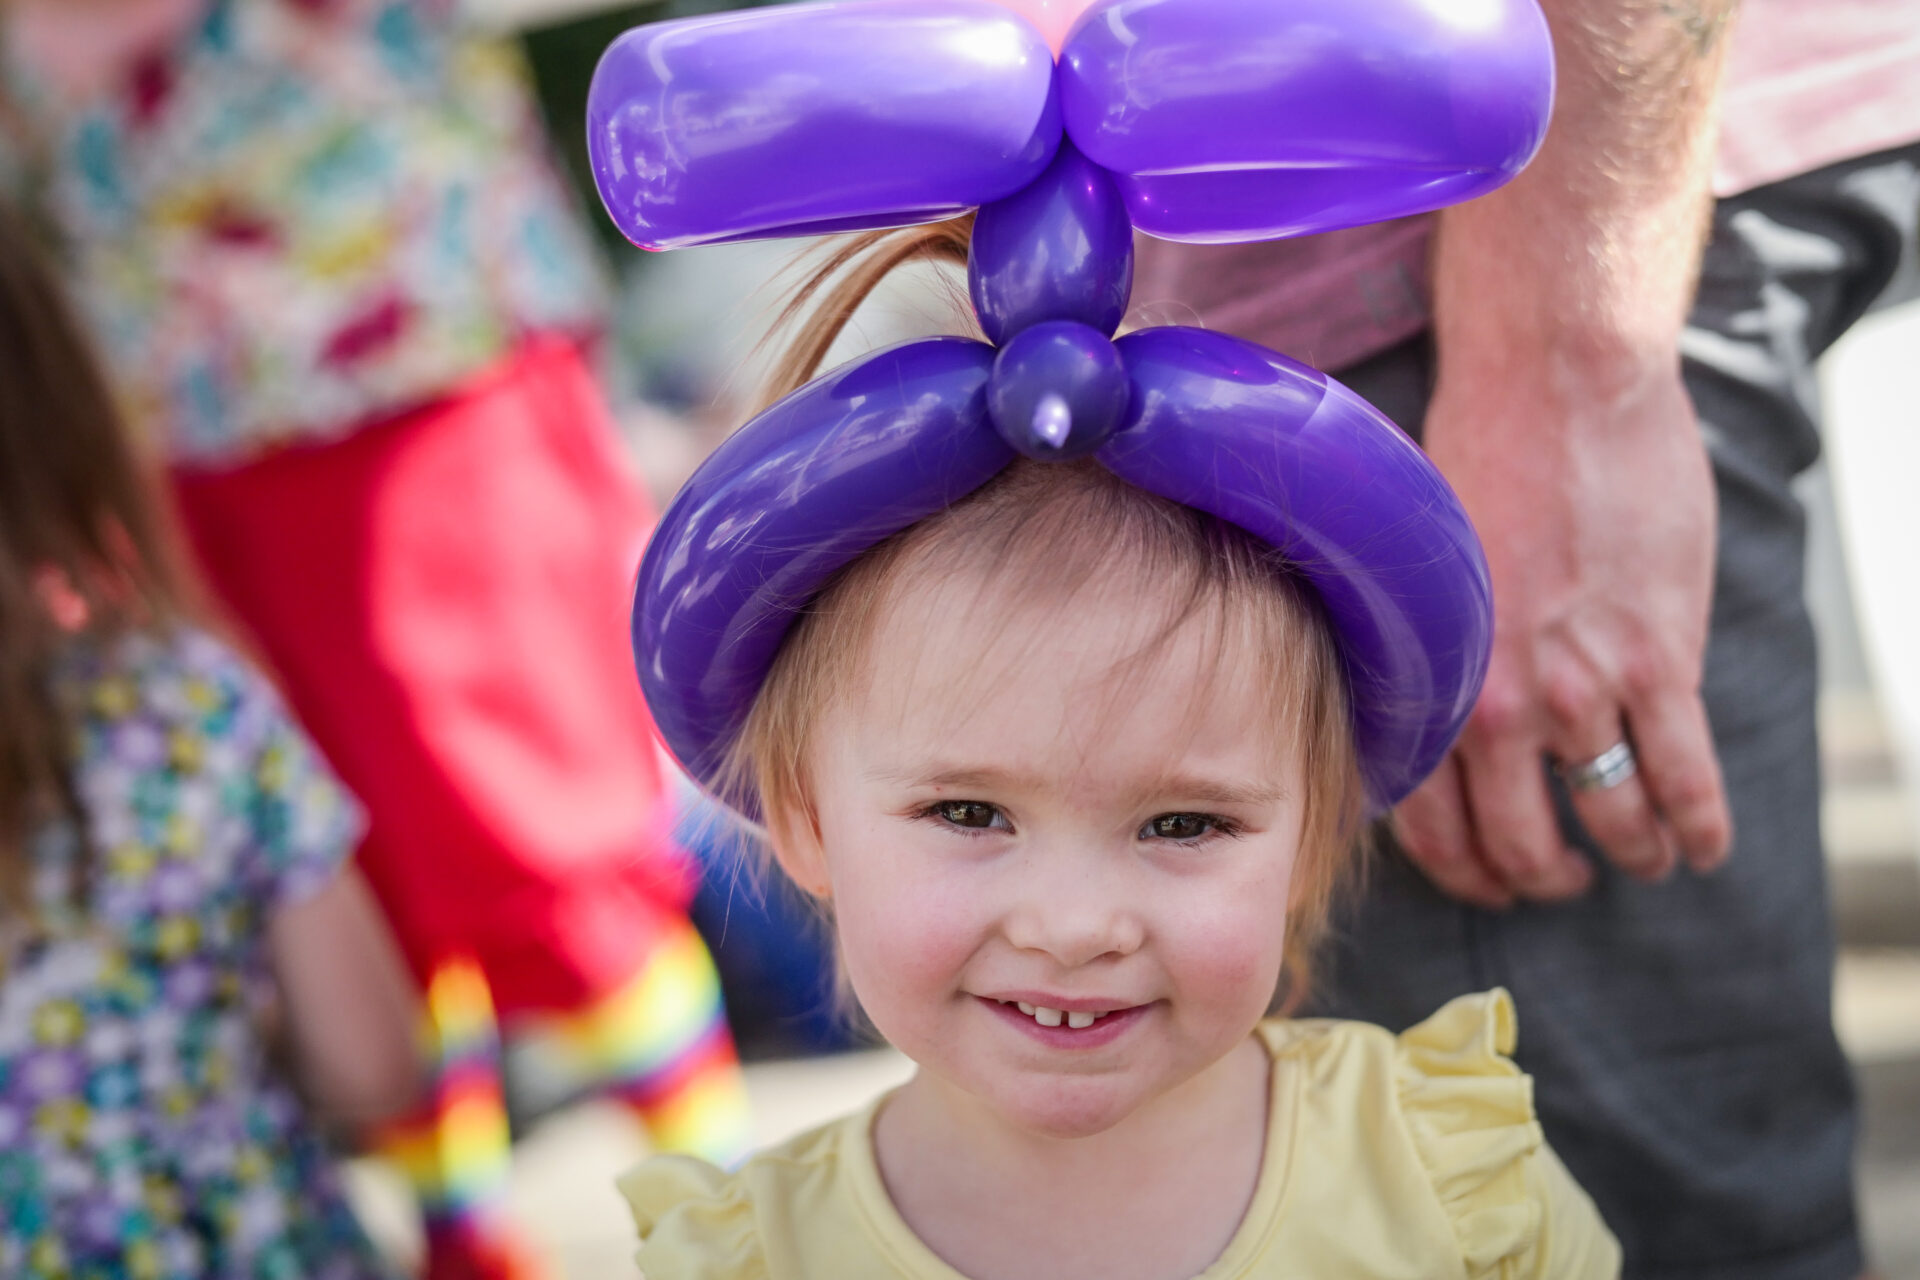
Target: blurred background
x=690, y=328
x=688, y=349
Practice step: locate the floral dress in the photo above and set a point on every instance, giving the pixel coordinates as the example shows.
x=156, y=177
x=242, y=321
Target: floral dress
x=143, y=1132
x=303, y=216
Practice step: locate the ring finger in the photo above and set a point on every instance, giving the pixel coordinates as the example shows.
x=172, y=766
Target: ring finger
x=1610, y=798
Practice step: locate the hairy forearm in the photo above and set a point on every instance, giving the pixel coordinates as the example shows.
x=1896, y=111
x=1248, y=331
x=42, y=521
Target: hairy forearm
x=1589, y=257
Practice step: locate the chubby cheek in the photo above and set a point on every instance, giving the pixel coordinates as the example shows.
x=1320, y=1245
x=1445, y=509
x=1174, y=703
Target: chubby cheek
x=1223, y=952
x=905, y=941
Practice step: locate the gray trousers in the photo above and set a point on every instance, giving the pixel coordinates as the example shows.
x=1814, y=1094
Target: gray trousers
x=1680, y=1034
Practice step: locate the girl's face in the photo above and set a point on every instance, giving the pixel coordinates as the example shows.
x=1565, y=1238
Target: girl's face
x=1060, y=880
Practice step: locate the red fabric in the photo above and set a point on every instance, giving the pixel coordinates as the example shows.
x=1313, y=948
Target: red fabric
x=444, y=596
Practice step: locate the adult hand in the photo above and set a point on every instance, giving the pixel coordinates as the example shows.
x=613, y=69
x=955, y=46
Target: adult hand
x=1594, y=499
x=1560, y=418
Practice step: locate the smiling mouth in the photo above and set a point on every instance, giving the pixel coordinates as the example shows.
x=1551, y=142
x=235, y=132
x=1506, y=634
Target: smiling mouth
x=1074, y=1019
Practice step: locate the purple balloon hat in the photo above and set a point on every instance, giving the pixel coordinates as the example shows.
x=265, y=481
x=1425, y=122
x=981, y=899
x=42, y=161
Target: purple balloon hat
x=1194, y=120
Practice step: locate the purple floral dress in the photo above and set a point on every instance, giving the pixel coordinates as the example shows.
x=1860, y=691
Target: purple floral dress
x=143, y=1132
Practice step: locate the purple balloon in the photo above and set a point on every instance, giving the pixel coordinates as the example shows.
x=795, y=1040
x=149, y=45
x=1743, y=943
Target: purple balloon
x=809, y=484
x=1349, y=502
x=1060, y=248
x=853, y=458
x=816, y=118
x=1234, y=120
x=1058, y=390
x=1190, y=119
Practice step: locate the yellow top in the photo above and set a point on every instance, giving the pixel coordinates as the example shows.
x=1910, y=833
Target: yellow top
x=1410, y=1157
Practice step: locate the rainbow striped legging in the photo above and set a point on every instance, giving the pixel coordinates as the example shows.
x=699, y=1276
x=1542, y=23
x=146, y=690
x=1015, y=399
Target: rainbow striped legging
x=659, y=1044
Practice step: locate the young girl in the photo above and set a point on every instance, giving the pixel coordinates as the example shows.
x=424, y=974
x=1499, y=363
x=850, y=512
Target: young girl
x=1061, y=669
x=1072, y=767
x=173, y=865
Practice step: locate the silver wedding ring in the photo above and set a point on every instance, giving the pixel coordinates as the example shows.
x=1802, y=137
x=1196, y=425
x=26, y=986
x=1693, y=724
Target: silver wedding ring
x=1608, y=769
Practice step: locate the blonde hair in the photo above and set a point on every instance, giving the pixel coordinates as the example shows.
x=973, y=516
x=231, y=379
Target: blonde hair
x=1048, y=532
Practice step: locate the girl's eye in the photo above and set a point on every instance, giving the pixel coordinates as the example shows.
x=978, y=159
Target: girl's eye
x=1181, y=827
x=971, y=814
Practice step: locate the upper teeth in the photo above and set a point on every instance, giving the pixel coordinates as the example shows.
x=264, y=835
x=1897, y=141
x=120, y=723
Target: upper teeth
x=1078, y=1019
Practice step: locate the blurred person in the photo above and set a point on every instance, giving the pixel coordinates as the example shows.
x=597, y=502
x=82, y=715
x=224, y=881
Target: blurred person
x=174, y=882
x=1623, y=412
x=337, y=279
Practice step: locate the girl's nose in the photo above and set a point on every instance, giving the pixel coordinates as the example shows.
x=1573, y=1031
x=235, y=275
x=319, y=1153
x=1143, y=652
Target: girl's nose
x=1076, y=916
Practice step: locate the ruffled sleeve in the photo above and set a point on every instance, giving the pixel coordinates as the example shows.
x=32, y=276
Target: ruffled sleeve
x=1515, y=1210
x=696, y=1222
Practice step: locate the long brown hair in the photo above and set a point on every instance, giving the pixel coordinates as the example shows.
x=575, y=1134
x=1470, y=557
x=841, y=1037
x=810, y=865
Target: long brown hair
x=85, y=545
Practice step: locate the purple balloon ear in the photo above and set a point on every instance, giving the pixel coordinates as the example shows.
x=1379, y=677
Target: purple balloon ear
x=1235, y=120
x=813, y=118
x=1060, y=248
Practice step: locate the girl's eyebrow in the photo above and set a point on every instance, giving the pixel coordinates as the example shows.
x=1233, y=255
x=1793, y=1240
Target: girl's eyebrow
x=1219, y=790
x=1191, y=787
x=986, y=779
